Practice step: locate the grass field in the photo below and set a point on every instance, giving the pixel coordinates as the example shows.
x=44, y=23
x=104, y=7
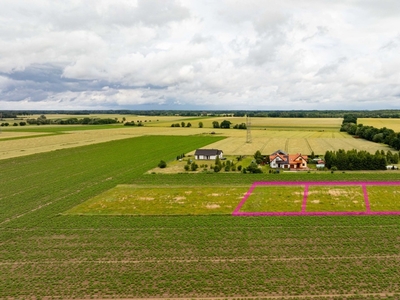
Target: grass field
x=47, y=254
x=178, y=200
x=384, y=198
x=335, y=198
x=274, y=199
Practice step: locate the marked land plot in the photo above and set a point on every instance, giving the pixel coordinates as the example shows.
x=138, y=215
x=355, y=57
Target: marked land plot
x=335, y=198
x=133, y=200
x=384, y=198
x=320, y=199
x=275, y=199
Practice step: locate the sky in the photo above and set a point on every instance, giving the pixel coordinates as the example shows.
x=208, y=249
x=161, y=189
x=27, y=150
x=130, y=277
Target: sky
x=199, y=54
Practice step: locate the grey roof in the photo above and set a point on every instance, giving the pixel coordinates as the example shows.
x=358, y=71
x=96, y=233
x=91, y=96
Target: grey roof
x=279, y=152
x=208, y=152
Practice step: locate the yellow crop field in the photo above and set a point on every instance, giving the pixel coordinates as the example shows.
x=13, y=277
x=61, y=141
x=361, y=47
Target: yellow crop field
x=268, y=141
x=381, y=122
x=21, y=147
x=17, y=134
x=299, y=135
x=323, y=124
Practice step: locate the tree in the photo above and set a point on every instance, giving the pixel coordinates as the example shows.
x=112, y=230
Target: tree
x=225, y=124
x=162, y=164
x=200, y=124
x=258, y=157
x=218, y=163
x=188, y=124
x=183, y=124
x=193, y=166
x=215, y=124
x=253, y=168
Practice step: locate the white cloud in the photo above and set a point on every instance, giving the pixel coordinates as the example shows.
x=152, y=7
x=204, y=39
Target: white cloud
x=201, y=54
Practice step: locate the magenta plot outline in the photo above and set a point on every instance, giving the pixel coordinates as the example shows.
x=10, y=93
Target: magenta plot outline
x=306, y=184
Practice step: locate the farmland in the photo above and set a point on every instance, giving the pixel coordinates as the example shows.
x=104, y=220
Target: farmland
x=300, y=135
x=48, y=253
x=380, y=123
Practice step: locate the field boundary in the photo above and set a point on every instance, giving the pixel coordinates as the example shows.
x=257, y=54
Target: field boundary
x=306, y=185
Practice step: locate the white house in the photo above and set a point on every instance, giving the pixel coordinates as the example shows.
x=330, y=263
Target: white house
x=281, y=159
x=208, y=154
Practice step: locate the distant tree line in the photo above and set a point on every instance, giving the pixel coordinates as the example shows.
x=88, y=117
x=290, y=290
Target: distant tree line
x=359, y=160
x=227, y=124
x=132, y=123
x=371, y=133
x=42, y=120
x=223, y=113
x=182, y=124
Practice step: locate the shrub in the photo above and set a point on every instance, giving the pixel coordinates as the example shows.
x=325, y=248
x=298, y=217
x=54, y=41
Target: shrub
x=217, y=168
x=186, y=167
x=162, y=164
x=193, y=166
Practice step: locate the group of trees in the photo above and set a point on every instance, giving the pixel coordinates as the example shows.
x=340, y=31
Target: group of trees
x=132, y=123
x=359, y=160
x=182, y=124
x=224, y=124
x=42, y=120
x=370, y=133
x=5, y=124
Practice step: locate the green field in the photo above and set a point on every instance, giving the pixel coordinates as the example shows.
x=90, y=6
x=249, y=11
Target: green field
x=48, y=254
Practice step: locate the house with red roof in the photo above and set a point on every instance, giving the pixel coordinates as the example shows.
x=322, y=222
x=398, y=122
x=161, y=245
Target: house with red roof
x=282, y=160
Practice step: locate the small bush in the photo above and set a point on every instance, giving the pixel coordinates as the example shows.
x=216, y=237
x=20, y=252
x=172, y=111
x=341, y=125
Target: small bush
x=194, y=166
x=186, y=167
x=162, y=164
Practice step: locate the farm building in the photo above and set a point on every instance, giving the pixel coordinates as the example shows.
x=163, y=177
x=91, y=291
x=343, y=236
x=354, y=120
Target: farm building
x=281, y=159
x=320, y=164
x=208, y=154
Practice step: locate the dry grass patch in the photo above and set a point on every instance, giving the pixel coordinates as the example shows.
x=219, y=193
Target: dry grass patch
x=133, y=200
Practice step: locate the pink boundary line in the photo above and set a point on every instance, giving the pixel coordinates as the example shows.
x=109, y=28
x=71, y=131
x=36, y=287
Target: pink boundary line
x=306, y=184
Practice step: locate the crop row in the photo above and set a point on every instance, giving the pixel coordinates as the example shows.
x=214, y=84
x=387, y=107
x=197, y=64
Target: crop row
x=202, y=278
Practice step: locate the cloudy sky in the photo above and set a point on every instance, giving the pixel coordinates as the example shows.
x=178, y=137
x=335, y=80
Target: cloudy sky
x=200, y=54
